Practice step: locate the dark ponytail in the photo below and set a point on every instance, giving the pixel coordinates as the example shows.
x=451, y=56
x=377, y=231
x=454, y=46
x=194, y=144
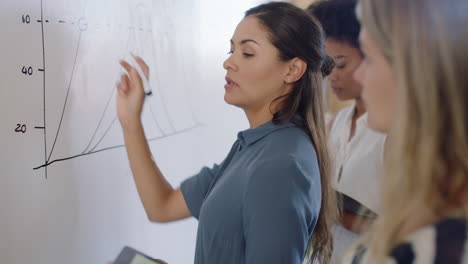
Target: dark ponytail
x=327, y=66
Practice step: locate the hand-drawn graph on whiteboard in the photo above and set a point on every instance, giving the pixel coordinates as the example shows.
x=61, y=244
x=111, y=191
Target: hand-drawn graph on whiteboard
x=79, y=69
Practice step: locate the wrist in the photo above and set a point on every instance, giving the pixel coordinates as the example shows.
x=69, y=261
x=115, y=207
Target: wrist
x=130, y=127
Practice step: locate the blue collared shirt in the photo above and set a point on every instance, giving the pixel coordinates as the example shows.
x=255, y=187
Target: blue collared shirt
x=261, y=204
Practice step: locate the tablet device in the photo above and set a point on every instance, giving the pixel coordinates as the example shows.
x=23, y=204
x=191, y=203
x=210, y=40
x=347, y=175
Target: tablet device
x=129, y=255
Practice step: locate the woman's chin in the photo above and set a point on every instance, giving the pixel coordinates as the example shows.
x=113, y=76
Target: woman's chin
x=343, y=97
x=376, y=124
x=236, y=104
x=229, y=100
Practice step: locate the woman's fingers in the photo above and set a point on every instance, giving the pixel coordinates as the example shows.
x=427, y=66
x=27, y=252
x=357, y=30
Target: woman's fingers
x=143, y=66
x=123, y=86
x=126, y=66
x=140, y=61
x=133, y=81
x=135, y=78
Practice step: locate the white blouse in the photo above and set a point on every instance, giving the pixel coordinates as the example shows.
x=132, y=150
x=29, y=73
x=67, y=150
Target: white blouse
x=359, y=160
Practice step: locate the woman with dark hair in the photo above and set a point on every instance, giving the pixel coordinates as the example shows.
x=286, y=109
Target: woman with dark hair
x=270, y=200
x=357, y=150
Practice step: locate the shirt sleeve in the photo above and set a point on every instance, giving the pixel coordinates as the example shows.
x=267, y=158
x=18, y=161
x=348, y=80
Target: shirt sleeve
x=281, y=207
x=196, y=187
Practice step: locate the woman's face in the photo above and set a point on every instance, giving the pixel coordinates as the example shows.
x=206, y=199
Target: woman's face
x=379, y=85
x=347, y=59
x=255, y=74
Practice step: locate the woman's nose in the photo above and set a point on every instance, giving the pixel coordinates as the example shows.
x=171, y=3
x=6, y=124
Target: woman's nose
x=333, y=75
x=229, y=63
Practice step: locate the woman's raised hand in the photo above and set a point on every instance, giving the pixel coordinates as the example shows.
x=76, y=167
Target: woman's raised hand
x=131, y=95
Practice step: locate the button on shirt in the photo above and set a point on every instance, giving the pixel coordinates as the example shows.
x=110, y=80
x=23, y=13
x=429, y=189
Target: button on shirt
x=359, y=161
x=261, y=204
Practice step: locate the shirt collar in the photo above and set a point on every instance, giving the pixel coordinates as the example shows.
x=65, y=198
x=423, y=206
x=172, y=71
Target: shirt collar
x=361, y=122
x=250, y=136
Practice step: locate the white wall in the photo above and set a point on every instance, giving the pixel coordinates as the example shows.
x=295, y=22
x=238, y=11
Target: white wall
x=87, y=207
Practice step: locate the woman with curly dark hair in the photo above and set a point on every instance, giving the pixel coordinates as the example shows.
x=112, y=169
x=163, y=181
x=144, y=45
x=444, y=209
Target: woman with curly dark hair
x=356, y=150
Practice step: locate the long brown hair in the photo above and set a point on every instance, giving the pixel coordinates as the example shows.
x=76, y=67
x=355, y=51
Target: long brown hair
x=298, y=35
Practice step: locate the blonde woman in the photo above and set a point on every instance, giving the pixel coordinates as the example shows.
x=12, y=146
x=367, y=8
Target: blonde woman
x=414, y=75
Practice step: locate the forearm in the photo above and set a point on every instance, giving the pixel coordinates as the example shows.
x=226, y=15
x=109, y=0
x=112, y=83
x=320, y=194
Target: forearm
x=153, y=188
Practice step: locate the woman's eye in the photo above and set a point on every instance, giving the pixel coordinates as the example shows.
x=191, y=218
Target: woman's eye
x=342, y=66
x=247, y=55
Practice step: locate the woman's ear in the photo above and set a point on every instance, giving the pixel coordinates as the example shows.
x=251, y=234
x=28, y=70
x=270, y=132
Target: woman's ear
x=296, y=68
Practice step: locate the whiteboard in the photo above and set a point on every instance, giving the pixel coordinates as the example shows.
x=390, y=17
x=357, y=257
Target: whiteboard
x=67, y=194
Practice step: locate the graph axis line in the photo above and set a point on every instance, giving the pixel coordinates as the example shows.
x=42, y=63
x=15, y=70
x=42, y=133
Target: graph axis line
x=44, y=87
x=93, y=150
x=47, y=164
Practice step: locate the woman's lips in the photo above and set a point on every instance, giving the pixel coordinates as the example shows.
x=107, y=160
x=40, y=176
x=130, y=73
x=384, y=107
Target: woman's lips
x=229, y=83
x=336, y=90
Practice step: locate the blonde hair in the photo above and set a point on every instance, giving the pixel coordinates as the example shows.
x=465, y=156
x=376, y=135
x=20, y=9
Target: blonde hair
x=427, y=160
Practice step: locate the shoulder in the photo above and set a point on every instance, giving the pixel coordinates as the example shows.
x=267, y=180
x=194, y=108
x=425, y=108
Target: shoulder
x=286, y=182
x=282, y=167
x=288, y=174
x=291, y=141
x=341, y=125
x=342, y=115
x=286, y=161
x=289, y=150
